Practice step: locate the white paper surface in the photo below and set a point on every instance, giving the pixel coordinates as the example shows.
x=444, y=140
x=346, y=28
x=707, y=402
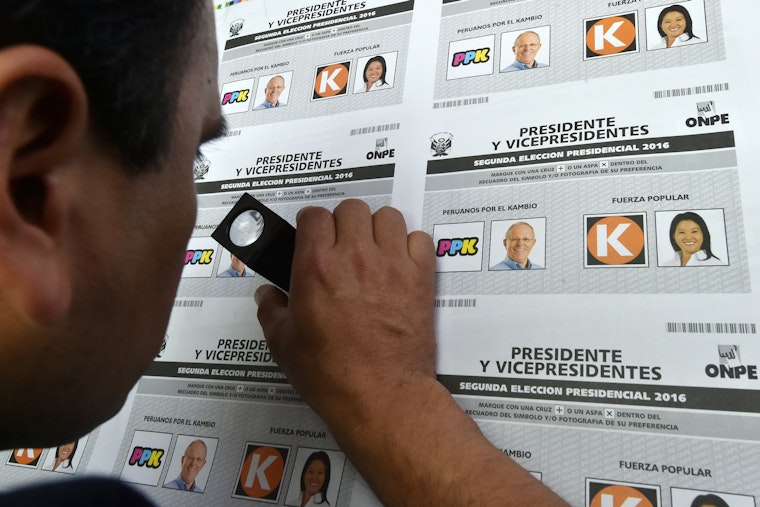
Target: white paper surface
x=614, y=377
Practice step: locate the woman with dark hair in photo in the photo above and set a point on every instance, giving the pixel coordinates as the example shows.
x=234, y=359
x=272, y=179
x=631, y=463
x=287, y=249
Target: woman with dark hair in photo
x=690, y=240
x=675, y=27
x=64, y=456
x=709, y=500
x=315, y=479
x=374, y=75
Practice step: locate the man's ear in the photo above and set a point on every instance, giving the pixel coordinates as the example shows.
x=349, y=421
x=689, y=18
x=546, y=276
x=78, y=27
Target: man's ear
x=43, y=129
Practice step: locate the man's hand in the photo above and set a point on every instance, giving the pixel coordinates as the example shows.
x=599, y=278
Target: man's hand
x=356, y=339
x=359, y=323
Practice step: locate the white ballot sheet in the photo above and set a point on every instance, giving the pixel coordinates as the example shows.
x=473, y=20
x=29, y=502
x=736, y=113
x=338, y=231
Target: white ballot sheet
x=588, y=173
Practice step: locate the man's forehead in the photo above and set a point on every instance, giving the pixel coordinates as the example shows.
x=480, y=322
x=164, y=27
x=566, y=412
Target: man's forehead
x=527, y=38
x=196, y=446
x=520, y=227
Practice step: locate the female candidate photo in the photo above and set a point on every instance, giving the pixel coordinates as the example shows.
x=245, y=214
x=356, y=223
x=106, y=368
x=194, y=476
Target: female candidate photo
x=64, y=458
x=709, y=500
x=315, y=479
x=375, y=76
x=676, y=28
x=692, y=245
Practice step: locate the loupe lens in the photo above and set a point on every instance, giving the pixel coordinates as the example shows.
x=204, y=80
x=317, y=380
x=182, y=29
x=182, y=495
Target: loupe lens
x=246, y=228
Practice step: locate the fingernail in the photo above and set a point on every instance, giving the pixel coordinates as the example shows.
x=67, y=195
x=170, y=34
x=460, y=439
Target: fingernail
x=258, y=295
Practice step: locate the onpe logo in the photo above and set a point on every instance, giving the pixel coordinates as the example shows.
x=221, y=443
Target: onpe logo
x=707, y=116
x=331, y=80
x=611, y=36
x=618, y=495
x=262, y=472
x=730, y=365
x=616, y=240
x=705, y=108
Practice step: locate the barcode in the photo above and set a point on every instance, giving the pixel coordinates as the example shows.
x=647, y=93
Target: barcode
x=694, y=90
x=376, y=128
x=188, y=303
x=232, y=133
x=456, y=303
x=712, y=328
x=460, y=102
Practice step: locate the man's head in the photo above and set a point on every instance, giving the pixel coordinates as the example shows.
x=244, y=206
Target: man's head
x=526, y=47
x=237, y=264
x=274, y=89
x=130, y=75
x=103, y=105
x=193, y=461
x=519, y=241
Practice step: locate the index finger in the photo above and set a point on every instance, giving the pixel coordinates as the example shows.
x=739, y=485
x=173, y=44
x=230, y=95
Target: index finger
x=315, y=226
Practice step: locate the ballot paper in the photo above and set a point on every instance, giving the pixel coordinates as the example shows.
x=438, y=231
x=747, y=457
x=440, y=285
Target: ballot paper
x=590, y=183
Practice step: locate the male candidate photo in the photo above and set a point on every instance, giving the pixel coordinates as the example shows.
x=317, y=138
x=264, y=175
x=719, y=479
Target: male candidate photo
x=72, y=120
x=525, y=49
x=275, y=87
x=518, y=242
x=237, y=269
x=193, y=461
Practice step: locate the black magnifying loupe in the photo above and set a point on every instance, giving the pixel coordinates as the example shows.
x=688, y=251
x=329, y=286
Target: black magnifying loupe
x=260, y=238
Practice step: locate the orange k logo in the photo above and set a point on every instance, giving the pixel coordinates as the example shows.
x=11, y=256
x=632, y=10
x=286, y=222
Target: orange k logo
x=27, y=457
x=262, y=472
x=616, y=240
x=620, y=496
x=611, y=36
x=331, y=80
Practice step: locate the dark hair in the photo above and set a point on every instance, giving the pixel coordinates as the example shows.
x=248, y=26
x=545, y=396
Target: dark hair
x=690, y=215
x=128, y=55
x=73, y=452
x=681, y=10
x=382, y=62
x=324, y=458
x=709, y=499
